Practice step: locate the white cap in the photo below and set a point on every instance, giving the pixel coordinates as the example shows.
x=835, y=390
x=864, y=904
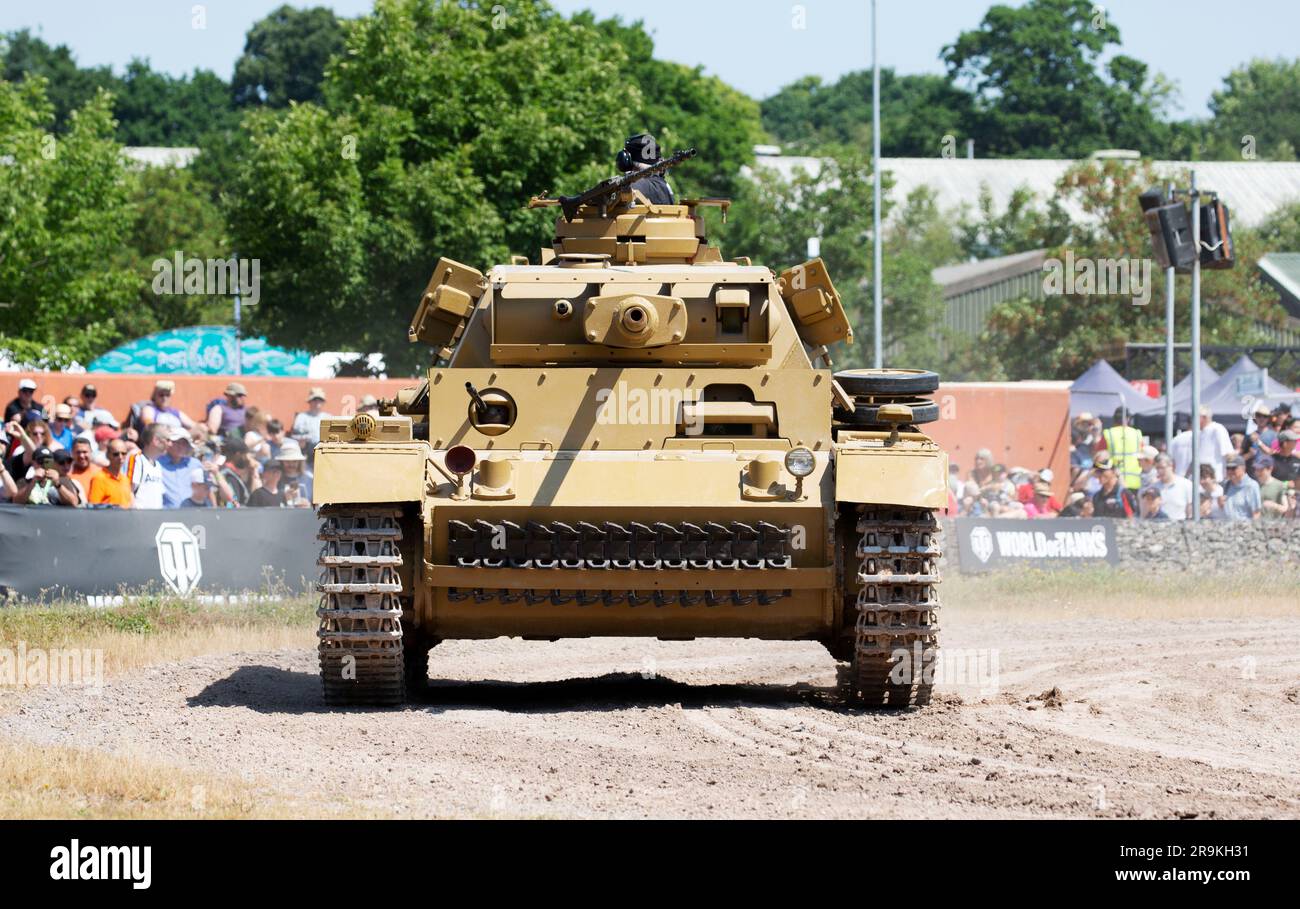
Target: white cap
x=26, y=385
x=1046, y=475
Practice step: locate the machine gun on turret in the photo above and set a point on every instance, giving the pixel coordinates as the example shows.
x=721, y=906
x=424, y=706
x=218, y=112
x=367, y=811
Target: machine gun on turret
x=601, y=193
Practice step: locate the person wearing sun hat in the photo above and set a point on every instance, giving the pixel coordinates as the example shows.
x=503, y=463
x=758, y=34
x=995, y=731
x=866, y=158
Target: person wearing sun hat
x=306, y=425
x=62, y=429
x=1041, y=506
x=226, y=418
x=296, y=476
x=1077, y=505
x=1241, y=498
x=159, y=407
x=177, y=463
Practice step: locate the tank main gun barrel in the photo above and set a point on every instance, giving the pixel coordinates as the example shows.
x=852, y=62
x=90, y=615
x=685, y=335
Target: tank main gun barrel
x=570, y=204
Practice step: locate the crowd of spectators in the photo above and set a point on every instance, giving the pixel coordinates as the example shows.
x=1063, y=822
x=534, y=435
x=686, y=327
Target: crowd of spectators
x=1116, y=472
x=157, y=456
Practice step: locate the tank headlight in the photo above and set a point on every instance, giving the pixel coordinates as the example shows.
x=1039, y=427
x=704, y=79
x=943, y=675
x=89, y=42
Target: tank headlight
x=461, y=459
x=800, y=462
x=363, y=426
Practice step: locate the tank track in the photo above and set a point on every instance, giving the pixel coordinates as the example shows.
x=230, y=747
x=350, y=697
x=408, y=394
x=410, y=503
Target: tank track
x=361, y=655
x=896, y=632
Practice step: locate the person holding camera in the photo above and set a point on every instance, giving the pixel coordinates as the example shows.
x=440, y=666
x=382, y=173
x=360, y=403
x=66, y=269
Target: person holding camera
x=46, y=485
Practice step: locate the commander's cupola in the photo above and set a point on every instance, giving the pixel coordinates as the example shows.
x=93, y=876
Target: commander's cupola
x=631, y=230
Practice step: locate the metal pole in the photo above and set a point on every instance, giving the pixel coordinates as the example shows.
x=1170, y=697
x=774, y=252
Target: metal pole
x=1169, y=347
x=239, y=323
x=239, y=337
x=876, y=275
x=1196, y=352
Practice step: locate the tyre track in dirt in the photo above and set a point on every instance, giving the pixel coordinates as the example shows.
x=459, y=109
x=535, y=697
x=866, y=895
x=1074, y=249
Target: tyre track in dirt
x=1158, y=718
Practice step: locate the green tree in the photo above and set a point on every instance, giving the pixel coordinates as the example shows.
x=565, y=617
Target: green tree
x=435, y=128
x=1281, y=231
x=916, y=113
x=154, y=108
x=773, y=217
x=172, y=212
x=151, y=108
x=66, y=208
x=68, y=87
x=1022, y=226
x=1059, y=337
x=1041, y=90
x=285, y=55
x=1259, y=107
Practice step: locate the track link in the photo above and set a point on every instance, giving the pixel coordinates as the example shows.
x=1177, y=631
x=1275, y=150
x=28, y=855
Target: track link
x=361, y=655
x=896, y=631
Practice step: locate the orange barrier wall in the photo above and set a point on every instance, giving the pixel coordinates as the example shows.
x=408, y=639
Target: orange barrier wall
x=281, y=397
x=1024, y=424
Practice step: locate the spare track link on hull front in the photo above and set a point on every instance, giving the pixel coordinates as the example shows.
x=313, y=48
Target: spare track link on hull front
x=361, y=658
x=552, y=548
x=896, y=629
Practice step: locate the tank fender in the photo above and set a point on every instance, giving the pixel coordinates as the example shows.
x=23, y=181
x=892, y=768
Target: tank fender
x=350, y=472
x=911, y=477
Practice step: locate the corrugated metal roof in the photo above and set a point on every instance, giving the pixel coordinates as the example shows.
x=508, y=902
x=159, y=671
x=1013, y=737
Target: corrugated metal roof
x=1282, y=270
x=1253, y=190
x=967, y=276
x=148, y=155
x=161, y=156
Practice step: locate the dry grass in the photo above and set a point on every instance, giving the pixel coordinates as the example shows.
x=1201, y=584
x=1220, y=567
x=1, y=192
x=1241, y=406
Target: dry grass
x=38, y=781
x=151, y=631
x=57, y=782
x=1060, y=595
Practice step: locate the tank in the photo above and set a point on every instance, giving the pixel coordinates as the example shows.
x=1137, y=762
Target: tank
x=632, y=436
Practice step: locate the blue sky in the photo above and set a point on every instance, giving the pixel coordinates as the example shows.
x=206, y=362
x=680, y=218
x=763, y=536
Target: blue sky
x=750, y=43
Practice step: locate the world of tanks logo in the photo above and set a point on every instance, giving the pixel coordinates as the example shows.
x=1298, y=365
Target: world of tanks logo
x=981, y=543
x=179, y=557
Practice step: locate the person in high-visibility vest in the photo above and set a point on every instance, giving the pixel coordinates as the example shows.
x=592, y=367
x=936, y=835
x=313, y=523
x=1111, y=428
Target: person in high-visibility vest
x=1124, y=443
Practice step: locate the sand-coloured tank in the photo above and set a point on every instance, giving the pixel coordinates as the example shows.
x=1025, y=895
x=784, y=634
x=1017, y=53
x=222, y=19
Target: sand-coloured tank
x=634, y=436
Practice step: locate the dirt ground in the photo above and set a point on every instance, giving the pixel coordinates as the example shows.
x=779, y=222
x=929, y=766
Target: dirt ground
x=1187, y=717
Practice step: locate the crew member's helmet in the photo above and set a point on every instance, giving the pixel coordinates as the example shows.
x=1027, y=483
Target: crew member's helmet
x=641, y=149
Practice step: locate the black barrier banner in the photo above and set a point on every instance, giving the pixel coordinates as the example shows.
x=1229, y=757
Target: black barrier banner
x=992, y=543
x=57, y=553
